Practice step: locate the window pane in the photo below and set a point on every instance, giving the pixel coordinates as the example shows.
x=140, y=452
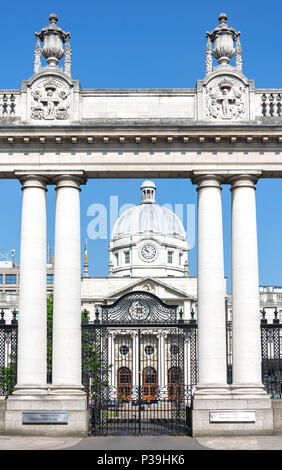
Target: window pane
x=11, y=279
x=50, y=278
x=126, y=257
x=169, y=257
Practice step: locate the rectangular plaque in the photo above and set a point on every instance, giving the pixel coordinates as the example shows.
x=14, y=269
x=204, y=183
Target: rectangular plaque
x=233, y=416
x=44, y=417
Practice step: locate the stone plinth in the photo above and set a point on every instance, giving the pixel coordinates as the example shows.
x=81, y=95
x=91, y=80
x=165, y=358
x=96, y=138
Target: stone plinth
x=75, y=407
x=3, y=403
x=202, y=425
x=277, y=415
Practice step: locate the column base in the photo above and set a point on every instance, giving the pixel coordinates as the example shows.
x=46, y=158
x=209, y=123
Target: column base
x=251, y=390
x=211, y=391
x=232, y=415
x=29, y=391
x=66, y=391
x=73, y=405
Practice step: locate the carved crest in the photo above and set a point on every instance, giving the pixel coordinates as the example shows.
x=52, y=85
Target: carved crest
x=226, y=99
x=50, y=100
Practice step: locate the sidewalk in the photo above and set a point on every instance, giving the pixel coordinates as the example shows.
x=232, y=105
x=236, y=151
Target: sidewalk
x=141, y=443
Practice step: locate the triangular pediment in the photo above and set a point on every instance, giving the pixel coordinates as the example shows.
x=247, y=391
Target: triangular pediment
x=149, y=284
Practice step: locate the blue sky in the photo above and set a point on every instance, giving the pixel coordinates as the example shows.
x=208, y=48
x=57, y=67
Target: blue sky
x=146, y=44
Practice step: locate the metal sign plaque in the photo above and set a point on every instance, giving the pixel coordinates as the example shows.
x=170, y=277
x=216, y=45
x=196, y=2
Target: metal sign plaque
x=44, y=418
x=233, y=416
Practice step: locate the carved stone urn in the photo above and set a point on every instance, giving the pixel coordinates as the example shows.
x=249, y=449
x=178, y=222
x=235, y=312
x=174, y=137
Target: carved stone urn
x=53, y=38
x=223, y=37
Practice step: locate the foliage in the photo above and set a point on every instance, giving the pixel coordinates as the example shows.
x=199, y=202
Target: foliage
x=95, y=375
x=95, y=370
x=50, y=299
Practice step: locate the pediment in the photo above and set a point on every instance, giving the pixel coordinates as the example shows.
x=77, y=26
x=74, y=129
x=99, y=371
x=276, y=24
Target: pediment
x=149, y=284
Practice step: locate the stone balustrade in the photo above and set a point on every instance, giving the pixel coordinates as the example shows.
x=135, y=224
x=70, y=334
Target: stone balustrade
x=271, y=104
x=7, y=105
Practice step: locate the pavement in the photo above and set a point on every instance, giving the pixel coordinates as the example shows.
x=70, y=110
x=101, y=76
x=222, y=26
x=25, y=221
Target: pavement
x=141, y=443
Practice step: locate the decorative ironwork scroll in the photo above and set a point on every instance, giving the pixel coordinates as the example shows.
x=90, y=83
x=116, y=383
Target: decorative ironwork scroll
x=139, y=306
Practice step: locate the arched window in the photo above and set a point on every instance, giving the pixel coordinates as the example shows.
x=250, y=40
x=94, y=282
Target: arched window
x=124, y=384
x=150, y=387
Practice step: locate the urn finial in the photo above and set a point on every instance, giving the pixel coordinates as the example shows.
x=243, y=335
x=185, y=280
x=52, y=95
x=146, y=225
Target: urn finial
x=222, y=37
x=53, y=39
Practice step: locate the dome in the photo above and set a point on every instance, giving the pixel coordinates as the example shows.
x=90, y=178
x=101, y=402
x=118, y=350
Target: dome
x=148, y=217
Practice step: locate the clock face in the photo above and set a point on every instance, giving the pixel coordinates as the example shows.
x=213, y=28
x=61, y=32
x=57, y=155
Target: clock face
x=148, y=252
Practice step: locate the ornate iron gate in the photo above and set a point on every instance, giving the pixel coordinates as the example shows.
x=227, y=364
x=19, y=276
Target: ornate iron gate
x=139, y=367
x=8, y=354
x=271, y=355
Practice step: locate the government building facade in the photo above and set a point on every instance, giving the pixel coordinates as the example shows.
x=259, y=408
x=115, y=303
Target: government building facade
x=148, y=349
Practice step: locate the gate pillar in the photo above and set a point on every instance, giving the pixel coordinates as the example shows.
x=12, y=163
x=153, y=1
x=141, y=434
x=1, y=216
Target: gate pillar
x=244, y=408
x=246, y=354
x=31, y=373
x=211, y=289
x=31, y=388
x=66, y=367
x=67, y=389
x=60, y=408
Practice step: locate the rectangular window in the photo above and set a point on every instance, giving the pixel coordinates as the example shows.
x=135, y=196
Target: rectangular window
x=50, y=278
x=11, y=279
x=169, y=257
x=1, y=278
x=126, y=257
x=116, y=255
x=180, y=259
x=10, y=292
x=280, y=316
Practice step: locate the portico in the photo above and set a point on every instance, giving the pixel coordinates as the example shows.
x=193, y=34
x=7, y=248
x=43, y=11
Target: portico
x=222, y=132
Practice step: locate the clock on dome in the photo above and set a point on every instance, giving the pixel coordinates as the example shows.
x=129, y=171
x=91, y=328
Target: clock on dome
x=148, y=252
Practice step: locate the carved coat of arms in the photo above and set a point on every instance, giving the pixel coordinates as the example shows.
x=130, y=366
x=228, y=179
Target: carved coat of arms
x=225, y=99
x=50, y=101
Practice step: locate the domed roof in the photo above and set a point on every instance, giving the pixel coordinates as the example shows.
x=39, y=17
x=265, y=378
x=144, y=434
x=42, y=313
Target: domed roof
x=148, y=217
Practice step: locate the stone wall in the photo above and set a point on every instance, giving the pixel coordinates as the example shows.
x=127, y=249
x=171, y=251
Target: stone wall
x=3, y=405
x=277, y=414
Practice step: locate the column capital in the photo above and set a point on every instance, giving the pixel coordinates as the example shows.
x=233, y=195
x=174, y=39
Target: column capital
x=243, y=181
x=207, y=180
x=32, y=181
x=69, y=181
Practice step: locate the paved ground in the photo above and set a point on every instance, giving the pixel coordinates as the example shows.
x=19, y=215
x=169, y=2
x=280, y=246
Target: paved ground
x=141, y=443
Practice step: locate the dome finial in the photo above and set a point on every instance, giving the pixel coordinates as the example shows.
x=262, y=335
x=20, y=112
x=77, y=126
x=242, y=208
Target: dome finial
x=148, y=189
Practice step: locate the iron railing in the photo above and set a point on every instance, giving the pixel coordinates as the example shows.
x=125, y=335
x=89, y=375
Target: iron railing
x=8, y=354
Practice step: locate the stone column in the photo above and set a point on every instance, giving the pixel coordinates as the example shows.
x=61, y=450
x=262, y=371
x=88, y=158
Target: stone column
x=211, y=288
x=32, y=328
x=67, y=287
x=246, y=356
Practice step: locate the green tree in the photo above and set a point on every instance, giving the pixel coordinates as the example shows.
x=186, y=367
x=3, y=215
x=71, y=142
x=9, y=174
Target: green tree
x=94, y=370
x=49, y=331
